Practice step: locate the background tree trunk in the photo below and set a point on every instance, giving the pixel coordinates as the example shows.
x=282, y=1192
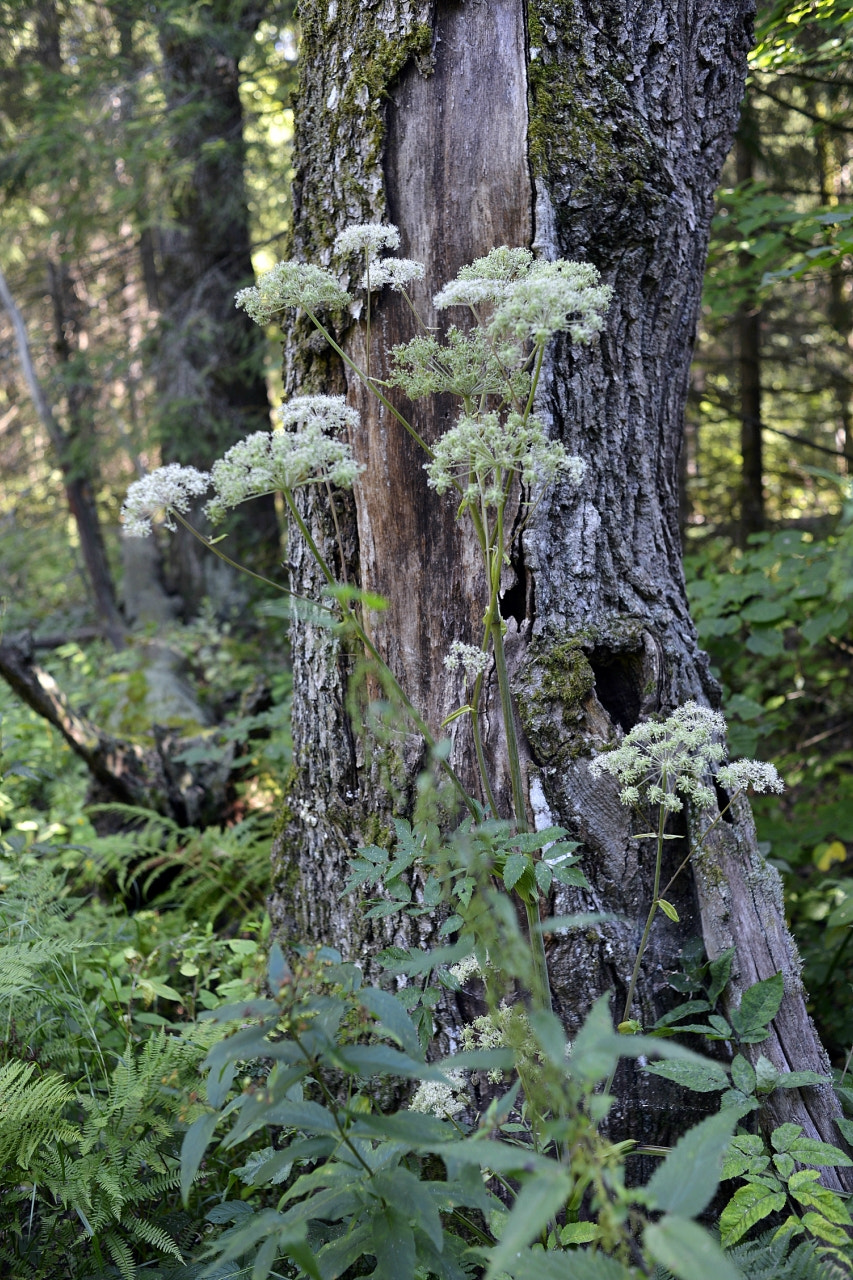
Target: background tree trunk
x=748, y=339
x=210, y=362
x=593, y=131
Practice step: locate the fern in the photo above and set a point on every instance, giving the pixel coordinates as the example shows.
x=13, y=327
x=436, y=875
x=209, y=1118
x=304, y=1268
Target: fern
x=211, y=874
x=771, y=1257
x=31, y=1113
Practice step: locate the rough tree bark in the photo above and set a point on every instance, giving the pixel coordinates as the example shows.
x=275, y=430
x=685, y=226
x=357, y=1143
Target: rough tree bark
x=589, y=129
x=210, y=376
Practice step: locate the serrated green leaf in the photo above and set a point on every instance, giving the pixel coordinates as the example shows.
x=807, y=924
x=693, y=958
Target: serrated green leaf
x=766, y=1075
x=700, y=1077
x=579, y=1233
x=687, y=1009
x=686, y=1250
x=743, y=1075
x=823, y=1229
x=392, y=1017
x=685, y=1183
x=720, y=1026
x=571, y=876
x=393, y=1244
x=810, y=1151
x=514, y=868
x=759, y=1005
x=544, y=876
x=550, y=1036
x=748, y=1205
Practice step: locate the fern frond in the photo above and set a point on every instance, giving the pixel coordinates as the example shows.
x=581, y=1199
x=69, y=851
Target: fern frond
x=770, y=1257
x=119, y=1251
x=31, y=1112
x=152, y=1235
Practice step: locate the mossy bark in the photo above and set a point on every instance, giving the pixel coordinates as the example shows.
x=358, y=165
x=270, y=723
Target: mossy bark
x=594, y=130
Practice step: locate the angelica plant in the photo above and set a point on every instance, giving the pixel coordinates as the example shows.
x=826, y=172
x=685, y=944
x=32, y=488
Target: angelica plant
x=497, y=455
x=663, y=763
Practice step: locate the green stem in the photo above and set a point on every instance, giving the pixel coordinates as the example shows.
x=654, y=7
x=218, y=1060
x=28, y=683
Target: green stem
x=241, y=568
x=478, y=746
x=698, y=844
x=534, y=381
x=371, y=386
x=351, y=617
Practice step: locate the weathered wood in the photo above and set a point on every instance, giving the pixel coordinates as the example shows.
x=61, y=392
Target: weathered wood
x=595, y=130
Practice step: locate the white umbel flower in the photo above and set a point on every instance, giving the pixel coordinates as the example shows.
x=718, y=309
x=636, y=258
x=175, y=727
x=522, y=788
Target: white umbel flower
x=170, y=488
x=269, y=462
x=442, y=1097
x=473, y=661
x=659, y=759
x=741, y=774
x=291, y=284
x=397, y=273
x=369, y=236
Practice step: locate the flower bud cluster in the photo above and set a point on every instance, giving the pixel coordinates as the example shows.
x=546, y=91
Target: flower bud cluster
x=478, y=455
x=658, y=761
x=473, y=661
x=291, y=284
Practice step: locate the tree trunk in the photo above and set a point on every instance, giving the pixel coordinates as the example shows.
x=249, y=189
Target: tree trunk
x=593, y=133
x=75, y=464
x=210, y=376
x=748, y=339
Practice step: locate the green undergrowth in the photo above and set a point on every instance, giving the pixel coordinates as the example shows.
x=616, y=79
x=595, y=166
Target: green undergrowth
x=777, y=621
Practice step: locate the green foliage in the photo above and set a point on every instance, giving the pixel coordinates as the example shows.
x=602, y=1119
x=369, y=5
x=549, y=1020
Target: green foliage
x=417, y=1193
x=774, y=620
x=772, y=1181
x=774, y=1257
x=98, y=1063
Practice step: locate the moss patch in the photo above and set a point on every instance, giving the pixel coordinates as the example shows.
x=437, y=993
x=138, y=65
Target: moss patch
x=584, y=131
x=552, y=691
x=341, y=116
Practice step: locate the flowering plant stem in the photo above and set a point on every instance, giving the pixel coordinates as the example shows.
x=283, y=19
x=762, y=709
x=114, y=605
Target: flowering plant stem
x=358, y=628
x=370, y=384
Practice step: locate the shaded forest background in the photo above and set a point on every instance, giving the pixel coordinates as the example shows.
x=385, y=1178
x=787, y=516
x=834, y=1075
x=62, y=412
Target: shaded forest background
x=144, y=179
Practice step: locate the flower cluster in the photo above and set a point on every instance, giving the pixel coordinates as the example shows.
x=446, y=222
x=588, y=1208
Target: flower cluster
x=396, y=272
x=366, y=237
x=741, y=774
x=473, y=661
x=331, y=412
x=532, y=300
x=478, y=455
x=267, y=462
x=464, y=365
x=467, y=968
x=506, y=1027
x=160, y=493
x=442, y=1097
x=554, y=297
x=291, y=284
x=661, y=758
x=658, y=759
